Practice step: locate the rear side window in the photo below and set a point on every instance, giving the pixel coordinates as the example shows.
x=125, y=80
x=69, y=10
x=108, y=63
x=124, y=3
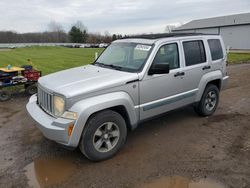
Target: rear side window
x=215, y=49
x=194, y=52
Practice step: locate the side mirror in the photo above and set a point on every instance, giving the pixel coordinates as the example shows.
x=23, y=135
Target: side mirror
x=159, y=68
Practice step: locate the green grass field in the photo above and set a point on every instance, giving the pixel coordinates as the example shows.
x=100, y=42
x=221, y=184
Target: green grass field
x=49, y=59
x=52, y=59
x=238, y=57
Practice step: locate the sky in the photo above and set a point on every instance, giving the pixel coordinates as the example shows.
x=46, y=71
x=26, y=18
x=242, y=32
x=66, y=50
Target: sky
x=114, y=16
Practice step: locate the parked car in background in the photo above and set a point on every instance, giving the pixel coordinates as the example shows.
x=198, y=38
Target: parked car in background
x=85, y=46
x=133, y=80
x=103, y=45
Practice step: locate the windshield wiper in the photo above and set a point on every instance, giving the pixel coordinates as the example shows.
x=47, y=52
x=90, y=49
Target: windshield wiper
x=98, y=63
x=113, y=66
x=108, y=65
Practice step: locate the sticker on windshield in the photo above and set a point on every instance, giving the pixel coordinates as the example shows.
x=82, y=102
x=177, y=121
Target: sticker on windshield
x=143, y=47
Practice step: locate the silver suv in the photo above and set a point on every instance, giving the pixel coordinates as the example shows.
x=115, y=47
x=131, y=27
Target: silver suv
x=134, y=79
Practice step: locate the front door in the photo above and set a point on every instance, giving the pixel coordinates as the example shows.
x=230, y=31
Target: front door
x=161, y=93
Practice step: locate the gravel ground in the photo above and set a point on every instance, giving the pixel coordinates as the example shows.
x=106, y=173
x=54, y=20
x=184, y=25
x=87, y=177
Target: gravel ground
x=177, y=149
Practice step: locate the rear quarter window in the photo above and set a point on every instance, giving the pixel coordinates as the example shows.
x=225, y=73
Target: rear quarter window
x=194, y=52
x=215, y=49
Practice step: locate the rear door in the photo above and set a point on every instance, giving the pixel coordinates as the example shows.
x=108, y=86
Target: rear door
x=196, y=64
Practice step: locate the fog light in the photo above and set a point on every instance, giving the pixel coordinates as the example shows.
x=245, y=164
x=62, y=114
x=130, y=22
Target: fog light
x=70, y=129
x=70, y=115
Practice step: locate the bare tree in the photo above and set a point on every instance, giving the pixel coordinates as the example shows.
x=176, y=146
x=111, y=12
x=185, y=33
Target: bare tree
x=57, y=31
x=56, y=34
x=14, y=37
x=81, y=26
x=107, y=33
x=107, y=38
x=55, y=27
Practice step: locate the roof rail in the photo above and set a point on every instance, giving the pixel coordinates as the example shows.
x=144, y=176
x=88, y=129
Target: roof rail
x=164, y=35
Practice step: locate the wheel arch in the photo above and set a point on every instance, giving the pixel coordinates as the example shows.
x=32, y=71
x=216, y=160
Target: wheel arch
x=120, y=109
x=216, y=82
x=214, y=77
x=119, y=102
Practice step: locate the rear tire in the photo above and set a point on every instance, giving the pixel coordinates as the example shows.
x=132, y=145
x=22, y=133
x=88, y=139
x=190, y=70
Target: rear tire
x=5, y=96
x=104, y=135
x=209, y=101
x=31, y=89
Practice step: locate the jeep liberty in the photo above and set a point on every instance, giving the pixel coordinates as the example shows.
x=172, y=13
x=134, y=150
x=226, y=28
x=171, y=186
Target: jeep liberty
x=134, y=79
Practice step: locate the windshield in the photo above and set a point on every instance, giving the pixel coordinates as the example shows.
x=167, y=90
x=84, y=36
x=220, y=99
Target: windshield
x=129, y=57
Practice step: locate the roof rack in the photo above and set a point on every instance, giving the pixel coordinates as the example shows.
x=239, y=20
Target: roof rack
x=164, y=35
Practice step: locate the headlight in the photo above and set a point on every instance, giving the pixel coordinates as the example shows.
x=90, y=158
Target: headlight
x=59, y=105
x=59, y=109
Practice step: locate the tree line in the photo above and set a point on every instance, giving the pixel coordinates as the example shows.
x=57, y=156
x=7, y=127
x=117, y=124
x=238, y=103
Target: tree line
x=56, y=34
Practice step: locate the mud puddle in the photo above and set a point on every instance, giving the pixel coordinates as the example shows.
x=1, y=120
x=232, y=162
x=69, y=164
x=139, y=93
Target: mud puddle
x=49, y=171
x=181, y=182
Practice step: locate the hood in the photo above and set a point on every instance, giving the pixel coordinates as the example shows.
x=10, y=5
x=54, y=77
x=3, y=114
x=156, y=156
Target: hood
x=85, y=79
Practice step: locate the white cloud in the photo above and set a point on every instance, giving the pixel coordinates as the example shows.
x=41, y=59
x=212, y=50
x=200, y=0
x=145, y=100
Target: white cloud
x=119, y=16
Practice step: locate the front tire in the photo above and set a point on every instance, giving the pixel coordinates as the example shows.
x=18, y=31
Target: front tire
x=104, y=135
x=209, y=101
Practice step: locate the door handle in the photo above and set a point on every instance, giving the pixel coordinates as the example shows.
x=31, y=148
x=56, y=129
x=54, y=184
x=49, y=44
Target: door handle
x=206, y=67
x=179, y=74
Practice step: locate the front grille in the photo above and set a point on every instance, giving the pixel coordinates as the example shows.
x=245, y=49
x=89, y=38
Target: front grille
x=45, y=100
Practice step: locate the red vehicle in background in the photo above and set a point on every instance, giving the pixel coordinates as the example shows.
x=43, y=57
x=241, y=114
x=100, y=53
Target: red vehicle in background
x=14, y=76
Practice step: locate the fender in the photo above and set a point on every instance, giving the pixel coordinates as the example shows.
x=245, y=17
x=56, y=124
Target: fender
x=87, y=107
x=215, y=75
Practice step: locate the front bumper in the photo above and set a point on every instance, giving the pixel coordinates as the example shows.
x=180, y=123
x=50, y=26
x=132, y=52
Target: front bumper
x=55, y=129
x=224, y=82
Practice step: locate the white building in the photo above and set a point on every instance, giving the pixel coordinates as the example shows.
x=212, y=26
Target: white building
x=234, y=29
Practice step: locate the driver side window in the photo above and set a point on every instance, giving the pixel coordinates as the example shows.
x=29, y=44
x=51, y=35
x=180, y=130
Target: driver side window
x=168, y=54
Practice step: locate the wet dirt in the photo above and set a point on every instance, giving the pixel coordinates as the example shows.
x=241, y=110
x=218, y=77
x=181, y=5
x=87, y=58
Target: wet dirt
x=181, y=182
x=49, y=171
x=179, y=148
